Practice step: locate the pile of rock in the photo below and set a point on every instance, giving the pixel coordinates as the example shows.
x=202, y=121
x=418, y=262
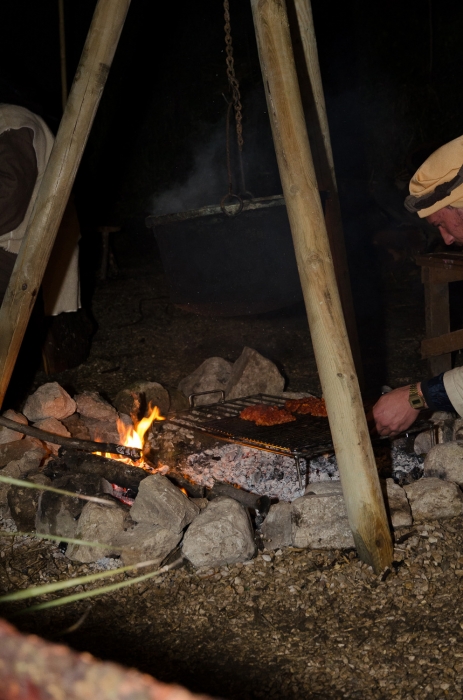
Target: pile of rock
x=318, y=520
x=158, y=517
x=161, y=513
x=161, y=517
x=250, y=374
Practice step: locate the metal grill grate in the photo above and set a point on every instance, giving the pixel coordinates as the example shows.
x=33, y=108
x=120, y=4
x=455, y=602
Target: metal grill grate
x=306, y=437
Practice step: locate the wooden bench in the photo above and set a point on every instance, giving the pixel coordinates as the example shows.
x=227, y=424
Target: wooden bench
x=437, y=270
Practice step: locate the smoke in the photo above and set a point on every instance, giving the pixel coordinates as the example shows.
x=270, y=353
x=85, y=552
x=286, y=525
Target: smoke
x=207, y=181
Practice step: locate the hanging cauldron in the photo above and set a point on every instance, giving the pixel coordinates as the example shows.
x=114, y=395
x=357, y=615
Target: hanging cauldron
x=224, y=263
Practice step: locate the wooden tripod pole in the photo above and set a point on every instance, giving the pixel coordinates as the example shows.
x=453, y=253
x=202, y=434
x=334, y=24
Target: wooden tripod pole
x=319, y=136
x=354, y=453
x=62, y=54
x=58, y=179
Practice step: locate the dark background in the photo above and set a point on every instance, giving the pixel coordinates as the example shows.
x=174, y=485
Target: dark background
x=391, y=72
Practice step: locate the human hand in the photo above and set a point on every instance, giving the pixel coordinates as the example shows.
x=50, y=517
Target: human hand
x=392, y=413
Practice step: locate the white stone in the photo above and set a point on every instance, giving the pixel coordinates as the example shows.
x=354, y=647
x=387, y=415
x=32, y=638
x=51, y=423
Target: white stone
x=159, y=502
x=102, y=430
x=146, y=542
x=424, y=442
x=49, y=401
x=276, y=528
x=92, y=405
x=253, y=374
x=434, y=499
x=97, y=523
x=397, y=504
x=445, y=462
x=30, y=462
x=18, y=469
x=221, y=534
x=212, y=375
x=51, y=425
x=12, y=470
x=319, y=521
x=15, y=450
x=325, y=488
x=139, y=396
x=8, y=435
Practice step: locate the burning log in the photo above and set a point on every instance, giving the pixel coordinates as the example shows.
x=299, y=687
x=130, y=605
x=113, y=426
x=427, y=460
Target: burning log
x=32, y=668
x=114, y=471
x=250, y=500
x=193, y=490
x=87, y=445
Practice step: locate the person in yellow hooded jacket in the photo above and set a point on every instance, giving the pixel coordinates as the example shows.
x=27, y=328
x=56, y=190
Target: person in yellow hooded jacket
x=436, y=194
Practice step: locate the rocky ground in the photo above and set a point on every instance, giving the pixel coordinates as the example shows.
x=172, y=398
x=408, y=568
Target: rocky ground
x=292, y=624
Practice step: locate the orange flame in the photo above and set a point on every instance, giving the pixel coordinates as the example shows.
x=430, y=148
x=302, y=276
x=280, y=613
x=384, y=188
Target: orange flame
x=134, y=436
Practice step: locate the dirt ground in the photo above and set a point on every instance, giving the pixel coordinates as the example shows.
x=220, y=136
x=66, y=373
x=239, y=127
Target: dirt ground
x=293, y=624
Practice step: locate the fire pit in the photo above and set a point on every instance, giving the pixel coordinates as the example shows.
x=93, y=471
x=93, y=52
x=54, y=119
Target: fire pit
x=214, y=501
x=305, y=438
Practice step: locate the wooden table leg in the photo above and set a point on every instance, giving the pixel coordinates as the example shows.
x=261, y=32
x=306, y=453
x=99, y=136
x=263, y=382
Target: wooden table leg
x=437, y=312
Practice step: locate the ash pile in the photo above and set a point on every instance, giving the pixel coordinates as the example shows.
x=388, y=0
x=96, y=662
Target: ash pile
x=216, y=503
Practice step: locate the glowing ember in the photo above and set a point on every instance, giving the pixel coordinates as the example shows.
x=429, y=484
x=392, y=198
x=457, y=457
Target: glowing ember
x=134, y=436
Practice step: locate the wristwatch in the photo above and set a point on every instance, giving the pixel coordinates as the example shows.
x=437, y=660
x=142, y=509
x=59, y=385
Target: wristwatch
x=415, y=399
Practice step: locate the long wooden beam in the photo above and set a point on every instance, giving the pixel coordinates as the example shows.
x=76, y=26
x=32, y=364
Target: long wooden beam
x=354, y=453
x=442, y=344
x=52, y=197
x=319, y=136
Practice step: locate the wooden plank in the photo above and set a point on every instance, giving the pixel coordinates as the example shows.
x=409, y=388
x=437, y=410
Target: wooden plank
x=319, y=134
x=58, y=179
x=437, y=317
x=442, y=260
x=438, y=275
x=351, y=439
x=216, y=210
x=431, y=347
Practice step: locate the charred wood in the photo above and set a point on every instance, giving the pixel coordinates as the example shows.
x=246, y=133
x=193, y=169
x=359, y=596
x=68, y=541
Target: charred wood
x=250, y=500
x=193, y=490
x=72, y=462
x=87, y=445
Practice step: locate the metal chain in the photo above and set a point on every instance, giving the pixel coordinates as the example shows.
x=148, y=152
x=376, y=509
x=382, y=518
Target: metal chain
x=233, y=82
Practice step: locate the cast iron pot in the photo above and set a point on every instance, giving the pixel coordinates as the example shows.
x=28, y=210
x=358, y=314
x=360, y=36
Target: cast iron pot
x=229, y=264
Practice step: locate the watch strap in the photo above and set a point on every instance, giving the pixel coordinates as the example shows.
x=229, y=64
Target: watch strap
x=415, y=399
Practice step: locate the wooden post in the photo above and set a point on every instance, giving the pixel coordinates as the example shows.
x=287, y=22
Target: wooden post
x=319, y=137
x=359, y=476
x=58, y=179
x=62, y=54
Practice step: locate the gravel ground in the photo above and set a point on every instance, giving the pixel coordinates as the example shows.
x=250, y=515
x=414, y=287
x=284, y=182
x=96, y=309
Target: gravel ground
x=292, y=624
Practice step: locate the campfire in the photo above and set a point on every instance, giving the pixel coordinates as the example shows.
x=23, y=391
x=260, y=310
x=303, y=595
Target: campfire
x=134, y=436
x=217, y=500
